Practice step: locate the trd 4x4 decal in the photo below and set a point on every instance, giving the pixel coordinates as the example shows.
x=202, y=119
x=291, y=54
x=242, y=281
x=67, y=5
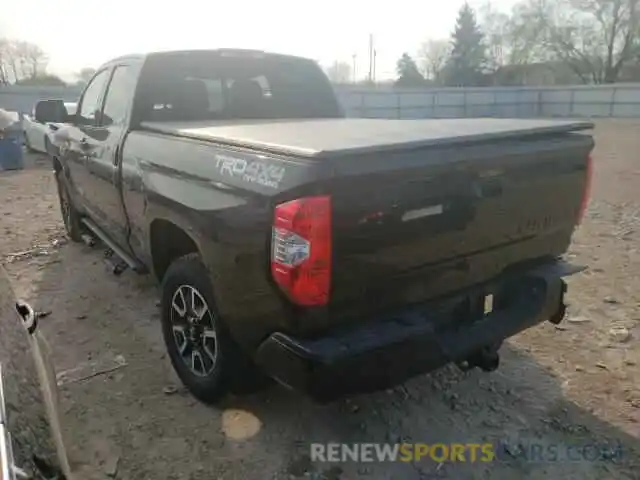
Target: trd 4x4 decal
x=252, y=171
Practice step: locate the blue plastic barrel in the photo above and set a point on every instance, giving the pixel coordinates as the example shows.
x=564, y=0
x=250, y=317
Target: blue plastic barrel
x=11, y=148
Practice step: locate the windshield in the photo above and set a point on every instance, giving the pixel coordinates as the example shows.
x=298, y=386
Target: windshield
x=192, y=86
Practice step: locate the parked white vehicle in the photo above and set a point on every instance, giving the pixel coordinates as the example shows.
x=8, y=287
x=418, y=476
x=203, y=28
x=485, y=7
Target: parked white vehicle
x=36, y=133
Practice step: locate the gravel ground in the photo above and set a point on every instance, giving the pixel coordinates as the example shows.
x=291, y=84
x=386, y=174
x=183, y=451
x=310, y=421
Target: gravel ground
x=572, y=386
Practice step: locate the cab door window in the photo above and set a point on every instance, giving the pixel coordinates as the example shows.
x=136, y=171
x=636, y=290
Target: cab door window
x=89, y=110
x=119, y=95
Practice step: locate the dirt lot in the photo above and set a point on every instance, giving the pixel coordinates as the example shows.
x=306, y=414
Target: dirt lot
x=575, y=385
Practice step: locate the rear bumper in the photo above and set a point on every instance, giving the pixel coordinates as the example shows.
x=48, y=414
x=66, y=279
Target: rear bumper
x=387, y=351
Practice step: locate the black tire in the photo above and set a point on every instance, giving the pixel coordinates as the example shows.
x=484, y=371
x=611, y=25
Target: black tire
x=227, y=369
x=47, y=146
x=70, y=215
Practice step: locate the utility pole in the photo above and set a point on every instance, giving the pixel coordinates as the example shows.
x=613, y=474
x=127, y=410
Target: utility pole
x=354, y=68
x=370, y=58
x=375, y=54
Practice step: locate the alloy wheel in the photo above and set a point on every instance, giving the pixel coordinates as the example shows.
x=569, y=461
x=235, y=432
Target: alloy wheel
x=193, y=330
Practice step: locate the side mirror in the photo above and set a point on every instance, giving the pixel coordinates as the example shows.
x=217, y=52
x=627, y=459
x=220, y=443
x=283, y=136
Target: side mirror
x=50, y=111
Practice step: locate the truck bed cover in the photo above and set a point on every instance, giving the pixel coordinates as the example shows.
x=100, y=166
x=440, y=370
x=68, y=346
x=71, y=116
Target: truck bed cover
x=325, y=138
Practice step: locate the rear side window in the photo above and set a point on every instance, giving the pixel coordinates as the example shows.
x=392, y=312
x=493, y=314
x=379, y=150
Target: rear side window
x=215, y=94
x=90, y=106
x=119, y=95
x=209, y=85
x=262, y=82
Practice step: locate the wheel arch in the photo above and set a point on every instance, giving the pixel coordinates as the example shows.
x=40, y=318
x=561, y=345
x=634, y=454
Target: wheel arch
x=167, y=242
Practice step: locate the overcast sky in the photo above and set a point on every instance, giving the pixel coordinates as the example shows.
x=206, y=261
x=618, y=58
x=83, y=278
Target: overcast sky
x=85, y=33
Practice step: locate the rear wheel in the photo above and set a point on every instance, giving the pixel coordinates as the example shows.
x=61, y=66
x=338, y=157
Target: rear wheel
x=205, y=357
x=70, y=215
x=47, y=145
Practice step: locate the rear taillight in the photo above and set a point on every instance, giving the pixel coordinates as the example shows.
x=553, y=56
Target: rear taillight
x=301, y=249
x=586, y=193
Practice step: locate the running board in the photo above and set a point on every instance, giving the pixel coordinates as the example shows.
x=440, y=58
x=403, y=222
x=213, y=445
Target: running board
x=131, y=262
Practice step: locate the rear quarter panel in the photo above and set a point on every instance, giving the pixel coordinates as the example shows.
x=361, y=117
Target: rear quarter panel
x=223, y=199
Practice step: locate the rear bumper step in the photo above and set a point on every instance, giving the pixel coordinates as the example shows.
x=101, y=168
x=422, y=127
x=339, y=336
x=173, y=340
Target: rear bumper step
x=390, y=350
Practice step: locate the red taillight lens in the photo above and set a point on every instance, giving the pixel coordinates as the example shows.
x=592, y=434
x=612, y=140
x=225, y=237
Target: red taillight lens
x=301, y=249
x=586, y=193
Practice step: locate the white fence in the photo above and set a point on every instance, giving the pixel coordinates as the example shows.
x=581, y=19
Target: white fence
x=617, y=100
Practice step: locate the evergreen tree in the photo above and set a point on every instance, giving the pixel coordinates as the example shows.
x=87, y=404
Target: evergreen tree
x=408, y=73
x=468, y=56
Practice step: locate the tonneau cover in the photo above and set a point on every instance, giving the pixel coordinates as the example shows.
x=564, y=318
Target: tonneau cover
x=322, y=138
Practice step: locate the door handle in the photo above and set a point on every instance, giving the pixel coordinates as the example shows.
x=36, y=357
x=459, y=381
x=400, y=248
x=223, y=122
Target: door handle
x=116, y=152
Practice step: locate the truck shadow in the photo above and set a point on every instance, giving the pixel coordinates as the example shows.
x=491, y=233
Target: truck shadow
x=142, y=416
x=520, y=409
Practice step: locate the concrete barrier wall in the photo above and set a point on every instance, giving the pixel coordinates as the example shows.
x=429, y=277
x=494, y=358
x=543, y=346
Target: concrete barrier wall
x=22, y=99
x=616, y=100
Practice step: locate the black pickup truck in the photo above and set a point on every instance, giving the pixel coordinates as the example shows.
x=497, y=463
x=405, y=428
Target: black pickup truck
x=336, y=255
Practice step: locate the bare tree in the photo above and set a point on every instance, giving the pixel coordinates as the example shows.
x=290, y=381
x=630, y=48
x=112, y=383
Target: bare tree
x=11, y=62
x=526, y=35
x=433, y=56
x=498, y=32
x=20, y=60
x=4, y=74
x=596, y=39
x=339, y=72
x=21, y=52
x=35, y=59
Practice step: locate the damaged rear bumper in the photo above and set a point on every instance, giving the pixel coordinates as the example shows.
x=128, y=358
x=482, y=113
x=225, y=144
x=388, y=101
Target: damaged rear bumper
x=387, y=351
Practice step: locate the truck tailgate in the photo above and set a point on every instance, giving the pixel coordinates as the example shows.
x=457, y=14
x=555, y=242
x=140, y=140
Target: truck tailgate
x=412, y=225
